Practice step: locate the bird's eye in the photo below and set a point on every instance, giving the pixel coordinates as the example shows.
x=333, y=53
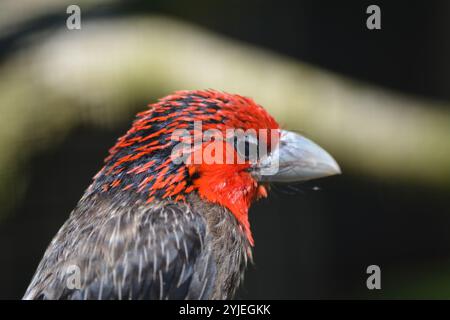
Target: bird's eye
x=247, y=147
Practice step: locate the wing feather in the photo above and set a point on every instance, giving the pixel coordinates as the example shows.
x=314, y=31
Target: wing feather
x=130, y=252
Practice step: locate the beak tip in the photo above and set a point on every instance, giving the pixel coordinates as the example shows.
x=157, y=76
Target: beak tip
x=328, y=165
x=335, y=168
x=328, y=169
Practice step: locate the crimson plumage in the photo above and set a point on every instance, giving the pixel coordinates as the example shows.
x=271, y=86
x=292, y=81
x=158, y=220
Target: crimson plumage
x=149, y=227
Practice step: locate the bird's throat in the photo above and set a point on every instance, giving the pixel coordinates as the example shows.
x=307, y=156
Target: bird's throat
x=235, y=191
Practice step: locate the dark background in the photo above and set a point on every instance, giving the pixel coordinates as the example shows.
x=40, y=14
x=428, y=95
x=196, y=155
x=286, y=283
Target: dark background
x=311, y=244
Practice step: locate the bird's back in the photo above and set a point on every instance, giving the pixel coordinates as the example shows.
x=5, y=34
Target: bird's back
x=122, y=248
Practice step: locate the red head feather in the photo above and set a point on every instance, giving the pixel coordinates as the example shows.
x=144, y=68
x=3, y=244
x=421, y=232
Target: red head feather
x=141, y=159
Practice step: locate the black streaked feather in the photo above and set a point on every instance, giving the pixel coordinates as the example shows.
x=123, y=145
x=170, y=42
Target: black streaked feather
x=137, y=251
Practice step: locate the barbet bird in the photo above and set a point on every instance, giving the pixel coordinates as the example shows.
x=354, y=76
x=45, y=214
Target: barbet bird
x=153, y=227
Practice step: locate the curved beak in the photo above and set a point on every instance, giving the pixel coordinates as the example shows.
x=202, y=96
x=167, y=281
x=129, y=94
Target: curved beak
x=296, y=158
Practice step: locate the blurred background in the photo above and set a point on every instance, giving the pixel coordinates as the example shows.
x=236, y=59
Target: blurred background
x=378, y=100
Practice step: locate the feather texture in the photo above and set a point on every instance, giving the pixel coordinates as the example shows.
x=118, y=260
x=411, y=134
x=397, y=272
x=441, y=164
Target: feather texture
x=135, y=251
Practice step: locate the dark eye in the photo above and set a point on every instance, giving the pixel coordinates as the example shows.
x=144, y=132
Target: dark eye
x=247, y=147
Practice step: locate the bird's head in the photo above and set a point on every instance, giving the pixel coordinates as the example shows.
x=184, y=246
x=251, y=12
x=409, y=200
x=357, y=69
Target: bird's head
x=224, y=147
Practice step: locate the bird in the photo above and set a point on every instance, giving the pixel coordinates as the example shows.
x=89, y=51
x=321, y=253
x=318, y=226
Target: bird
x=157, y=224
